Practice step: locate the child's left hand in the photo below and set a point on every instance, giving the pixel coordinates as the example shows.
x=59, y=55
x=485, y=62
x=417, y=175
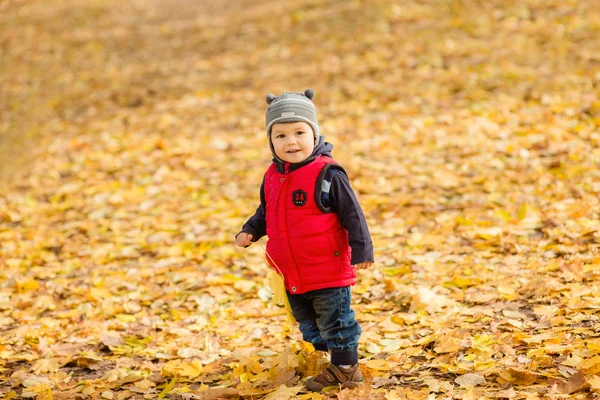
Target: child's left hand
x=363, y=265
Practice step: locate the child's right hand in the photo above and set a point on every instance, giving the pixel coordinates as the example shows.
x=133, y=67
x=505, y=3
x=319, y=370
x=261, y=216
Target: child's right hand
x=244, y=239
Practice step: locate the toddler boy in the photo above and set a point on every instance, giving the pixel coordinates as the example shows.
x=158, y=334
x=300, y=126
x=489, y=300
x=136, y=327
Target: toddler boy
x=318, y=235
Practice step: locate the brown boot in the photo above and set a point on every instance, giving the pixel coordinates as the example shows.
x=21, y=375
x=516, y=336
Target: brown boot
x=335, y=375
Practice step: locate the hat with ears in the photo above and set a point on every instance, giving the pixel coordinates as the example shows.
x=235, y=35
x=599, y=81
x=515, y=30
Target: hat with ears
x=292, y=107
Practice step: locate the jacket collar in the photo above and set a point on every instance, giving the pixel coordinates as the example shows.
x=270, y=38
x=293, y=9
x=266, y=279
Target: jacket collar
x=322, y=149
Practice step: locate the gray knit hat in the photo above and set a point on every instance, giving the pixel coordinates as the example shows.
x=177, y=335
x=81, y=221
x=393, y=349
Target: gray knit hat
x=292, y=107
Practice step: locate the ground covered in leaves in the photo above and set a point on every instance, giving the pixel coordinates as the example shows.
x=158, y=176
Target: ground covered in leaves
x=470, y=131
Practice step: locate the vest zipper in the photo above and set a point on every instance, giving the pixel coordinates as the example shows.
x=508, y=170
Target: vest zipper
x=286, y=172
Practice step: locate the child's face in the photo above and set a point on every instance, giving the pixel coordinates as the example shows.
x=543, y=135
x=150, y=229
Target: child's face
x=293, y=142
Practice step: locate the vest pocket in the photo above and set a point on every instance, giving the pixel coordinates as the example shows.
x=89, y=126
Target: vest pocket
x=341, y=249
x=336, y=251
x=313, y=250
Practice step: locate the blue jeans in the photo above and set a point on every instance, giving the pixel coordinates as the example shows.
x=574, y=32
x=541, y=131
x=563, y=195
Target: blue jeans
x=327, y=321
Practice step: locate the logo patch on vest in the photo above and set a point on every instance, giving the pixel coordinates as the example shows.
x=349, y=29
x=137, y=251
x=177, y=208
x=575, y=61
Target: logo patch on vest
x=299, y=198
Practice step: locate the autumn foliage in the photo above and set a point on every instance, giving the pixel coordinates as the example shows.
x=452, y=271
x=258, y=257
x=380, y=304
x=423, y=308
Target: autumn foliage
x=133, y=148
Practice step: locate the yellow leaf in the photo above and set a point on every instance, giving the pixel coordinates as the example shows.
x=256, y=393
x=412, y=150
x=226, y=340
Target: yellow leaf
x=547, y=311
x=573, y=361
x=462, y=282
x=311, y=396
x=312, y=363
x=393, y=271
x=41, y=391
x=522, y=212
x=279, y=294
x=594, y=382
x=114, y=375
x=244, y=286
x=591, y=366
x=183, y=369
x=167, y=388
x=488, y=233
x=485, y=364
x=249, y=389
x=463, y=221
x=433, y=385
x=126, y=318
x=44, y=366
x=594, y=345
x=482, y=342
x=431, y=301
x=379, y=365
x=88, y=390
x=99, y=294
x=469, y=380
x=507, y=293
x=448, y=344
x=144, y=384
x=139, y=343
x=518, y=376
x=504, y=215
x=373, y=348
x=283, y=393
x=27, y=285
x=547, y=338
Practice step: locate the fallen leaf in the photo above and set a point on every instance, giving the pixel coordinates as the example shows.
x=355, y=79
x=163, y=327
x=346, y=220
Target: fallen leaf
x=167, y=389
x=144, y=384
x=518, y=377
x=283, y=393
x=470, y=380
x=379, y=365
x=575, y=383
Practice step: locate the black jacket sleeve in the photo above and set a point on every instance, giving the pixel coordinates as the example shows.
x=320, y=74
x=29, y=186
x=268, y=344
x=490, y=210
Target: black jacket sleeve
x=257, y=224
x=344, y=203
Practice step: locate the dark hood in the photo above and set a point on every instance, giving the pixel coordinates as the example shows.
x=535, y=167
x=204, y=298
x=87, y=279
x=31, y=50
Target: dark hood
x=322, y=149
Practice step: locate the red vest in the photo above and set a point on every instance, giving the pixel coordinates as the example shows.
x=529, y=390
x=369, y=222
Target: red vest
x=308, y=246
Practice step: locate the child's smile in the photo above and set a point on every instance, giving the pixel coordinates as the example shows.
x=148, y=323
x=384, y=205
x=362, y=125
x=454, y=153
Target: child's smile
x=293, y=142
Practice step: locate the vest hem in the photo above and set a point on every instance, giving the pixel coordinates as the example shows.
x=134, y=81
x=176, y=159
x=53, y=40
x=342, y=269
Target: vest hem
x=328, y=285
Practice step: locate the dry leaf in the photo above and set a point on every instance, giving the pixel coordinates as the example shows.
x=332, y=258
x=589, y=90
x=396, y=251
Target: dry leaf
x=574, y=384
x=470, y=380
x=379, y=365
x=283, y=393
x=518, y=377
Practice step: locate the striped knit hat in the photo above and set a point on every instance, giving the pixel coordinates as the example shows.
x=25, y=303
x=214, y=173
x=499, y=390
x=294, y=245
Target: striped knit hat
x=292, y=107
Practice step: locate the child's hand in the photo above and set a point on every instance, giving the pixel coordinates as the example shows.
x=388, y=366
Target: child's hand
x=244, y=239
x=363, y=265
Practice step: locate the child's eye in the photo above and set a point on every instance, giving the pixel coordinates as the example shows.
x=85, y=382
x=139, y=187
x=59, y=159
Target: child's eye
x=280, y=136
x=300, y=133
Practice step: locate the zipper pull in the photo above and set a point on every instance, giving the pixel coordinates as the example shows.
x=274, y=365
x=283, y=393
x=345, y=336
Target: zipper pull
x=286, y=170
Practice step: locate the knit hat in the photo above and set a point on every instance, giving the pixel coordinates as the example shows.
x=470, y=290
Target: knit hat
x=292, y=107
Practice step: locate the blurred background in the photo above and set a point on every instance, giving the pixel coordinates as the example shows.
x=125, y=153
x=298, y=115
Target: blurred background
x=74, y=66
x=132, y=147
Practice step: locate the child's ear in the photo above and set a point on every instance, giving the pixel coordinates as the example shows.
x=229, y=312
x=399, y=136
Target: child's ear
x=309, y=93
x=270, y=98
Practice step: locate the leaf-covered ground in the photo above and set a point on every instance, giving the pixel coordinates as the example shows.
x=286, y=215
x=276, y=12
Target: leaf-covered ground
x=470, y=131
